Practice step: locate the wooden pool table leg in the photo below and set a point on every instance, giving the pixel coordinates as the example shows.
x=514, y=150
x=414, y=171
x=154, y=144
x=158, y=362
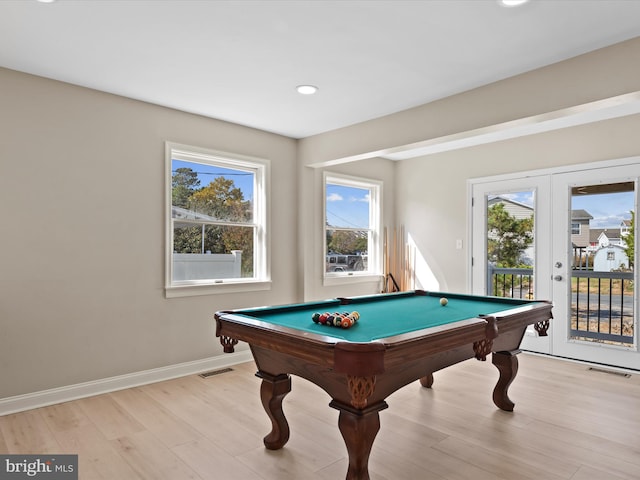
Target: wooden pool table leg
x=272, y=391
x=507, y=364
x=427, y=380
x=359, y=429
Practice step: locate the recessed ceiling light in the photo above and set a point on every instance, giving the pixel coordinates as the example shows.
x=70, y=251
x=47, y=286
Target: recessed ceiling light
x=306, y=89
x=512, y=3
x=46, y=1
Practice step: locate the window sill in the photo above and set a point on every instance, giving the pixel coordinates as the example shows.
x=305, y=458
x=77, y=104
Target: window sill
x=195, y=289
x=346, y=279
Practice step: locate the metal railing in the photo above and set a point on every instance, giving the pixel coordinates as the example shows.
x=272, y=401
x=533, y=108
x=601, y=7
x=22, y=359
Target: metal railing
x=602, y=303
x=602, y=306
x=510, y=282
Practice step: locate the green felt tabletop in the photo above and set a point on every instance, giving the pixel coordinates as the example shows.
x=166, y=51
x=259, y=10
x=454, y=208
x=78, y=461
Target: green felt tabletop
x=384, y=315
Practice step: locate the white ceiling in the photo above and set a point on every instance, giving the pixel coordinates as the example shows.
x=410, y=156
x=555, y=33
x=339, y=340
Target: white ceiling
x=240, y=61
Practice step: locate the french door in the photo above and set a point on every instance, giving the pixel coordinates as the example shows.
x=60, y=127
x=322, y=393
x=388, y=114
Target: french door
x=527, y=275
x=594, y=283
x=579, y=256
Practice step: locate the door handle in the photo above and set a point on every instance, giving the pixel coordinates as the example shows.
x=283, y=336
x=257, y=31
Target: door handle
x=558, y=278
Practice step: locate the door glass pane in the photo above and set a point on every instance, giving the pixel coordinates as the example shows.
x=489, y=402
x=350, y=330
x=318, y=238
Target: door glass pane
x=510, y=244
x=602, y=240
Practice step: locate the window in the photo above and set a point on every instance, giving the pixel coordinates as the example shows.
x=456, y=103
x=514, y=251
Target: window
x=575, y=229
x=352, y=226
x=217, y=233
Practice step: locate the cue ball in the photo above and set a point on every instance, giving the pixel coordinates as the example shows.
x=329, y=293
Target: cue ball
x=443, y=301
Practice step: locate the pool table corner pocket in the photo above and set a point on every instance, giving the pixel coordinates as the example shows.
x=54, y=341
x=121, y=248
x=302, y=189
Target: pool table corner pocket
x=484, y=347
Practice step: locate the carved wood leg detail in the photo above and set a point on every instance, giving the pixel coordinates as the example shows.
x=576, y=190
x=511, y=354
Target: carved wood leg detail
x=228, y=344
x=272, y=391
x=427, y=380
x=542, y=327
x=483, y=347
x=507, y=364
x=359, y=430
x=360, y=389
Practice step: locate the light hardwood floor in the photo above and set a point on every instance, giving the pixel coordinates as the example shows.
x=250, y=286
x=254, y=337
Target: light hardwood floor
x=569, y=423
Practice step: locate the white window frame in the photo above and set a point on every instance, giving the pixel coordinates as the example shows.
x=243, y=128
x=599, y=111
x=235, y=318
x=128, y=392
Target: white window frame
x=374, y=252
x=262, y=271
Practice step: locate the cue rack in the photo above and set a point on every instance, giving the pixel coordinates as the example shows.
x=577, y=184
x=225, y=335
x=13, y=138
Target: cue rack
x=399, y=259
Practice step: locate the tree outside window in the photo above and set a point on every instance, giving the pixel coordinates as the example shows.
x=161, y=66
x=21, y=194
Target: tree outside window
x=629, y=240
x=352, y=226
x=508, y=237
x=217, y=218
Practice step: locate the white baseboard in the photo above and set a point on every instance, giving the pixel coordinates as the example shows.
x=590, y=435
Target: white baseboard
x=20, y=403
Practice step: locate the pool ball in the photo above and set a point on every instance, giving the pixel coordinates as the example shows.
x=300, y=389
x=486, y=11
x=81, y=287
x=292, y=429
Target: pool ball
x=315, y=317
x=443, y=301
x=347, y=322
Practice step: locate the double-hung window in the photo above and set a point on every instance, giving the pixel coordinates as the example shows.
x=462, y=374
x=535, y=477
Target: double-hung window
x=217, y=222
x=352, y=223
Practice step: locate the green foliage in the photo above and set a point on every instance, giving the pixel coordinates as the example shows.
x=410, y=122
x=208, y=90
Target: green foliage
x=629, y=240
x=346, y=242
x=508, y=237
x=187, y=239
x=220, y=200
x=183, y=183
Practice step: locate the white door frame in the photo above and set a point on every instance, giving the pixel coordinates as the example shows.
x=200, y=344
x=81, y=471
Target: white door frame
x=559, y=345
x=540, y=184
x=563, y=345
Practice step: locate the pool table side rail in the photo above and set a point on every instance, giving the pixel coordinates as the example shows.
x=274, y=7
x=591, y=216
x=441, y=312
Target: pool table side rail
x=261, y=328
x=508, y=319
x=304, y=345
x=340, y=301
x=233, y=317
x=427, y=293
x=319, y=305
x=353, y=358
x=390, y=352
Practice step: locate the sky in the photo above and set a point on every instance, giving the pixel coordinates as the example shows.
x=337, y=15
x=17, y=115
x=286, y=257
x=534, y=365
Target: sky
x=347, y=206
x=608, y=210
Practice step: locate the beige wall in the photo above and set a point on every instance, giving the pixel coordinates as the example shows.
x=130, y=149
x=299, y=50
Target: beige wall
x=82, y=192
x=598, y=75
x=430, y=199
x=311, y=233
x=82, y=246
x=437, y=224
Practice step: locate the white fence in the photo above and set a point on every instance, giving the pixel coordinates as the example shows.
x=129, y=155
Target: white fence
x=198, y=266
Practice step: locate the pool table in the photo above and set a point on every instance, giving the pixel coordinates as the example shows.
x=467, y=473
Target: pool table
x=399, y=338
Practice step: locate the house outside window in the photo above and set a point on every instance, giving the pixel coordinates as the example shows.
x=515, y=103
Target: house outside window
x=352, y=220
x=575, y=229
x=216, y=221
